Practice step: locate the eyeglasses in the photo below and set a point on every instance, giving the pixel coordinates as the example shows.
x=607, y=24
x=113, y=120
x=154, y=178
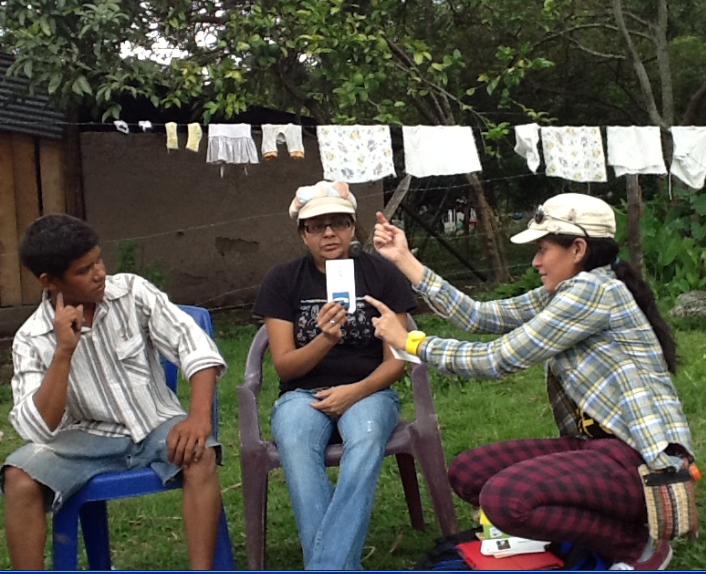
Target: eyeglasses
x=336, y=225
x=540, y=216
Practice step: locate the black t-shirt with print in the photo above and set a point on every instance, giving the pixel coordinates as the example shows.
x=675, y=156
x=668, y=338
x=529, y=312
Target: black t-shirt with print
x=296, y=291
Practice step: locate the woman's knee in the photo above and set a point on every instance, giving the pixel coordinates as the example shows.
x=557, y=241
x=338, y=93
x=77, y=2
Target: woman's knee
x=506, y=500
x=464, y=480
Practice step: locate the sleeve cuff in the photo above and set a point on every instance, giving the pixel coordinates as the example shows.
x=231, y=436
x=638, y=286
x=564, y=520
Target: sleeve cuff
x=198, y=361
x=429, y=284
x=31, y=426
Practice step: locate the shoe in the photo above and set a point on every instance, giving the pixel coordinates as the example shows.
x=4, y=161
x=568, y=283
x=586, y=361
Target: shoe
x=659, y=560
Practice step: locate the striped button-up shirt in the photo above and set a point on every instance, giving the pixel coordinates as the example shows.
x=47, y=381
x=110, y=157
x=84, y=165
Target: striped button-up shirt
x=116, y=382
x=600, y=351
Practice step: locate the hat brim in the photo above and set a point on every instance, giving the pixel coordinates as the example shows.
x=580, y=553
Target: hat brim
x=529, y=235
x=309, y=211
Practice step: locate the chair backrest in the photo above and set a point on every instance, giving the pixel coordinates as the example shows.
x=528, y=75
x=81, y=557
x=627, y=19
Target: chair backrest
x=203, y=320
x=248, y=391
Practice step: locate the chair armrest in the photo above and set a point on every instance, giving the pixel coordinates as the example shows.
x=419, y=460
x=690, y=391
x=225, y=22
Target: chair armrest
x=421, y=391
x=249, y=391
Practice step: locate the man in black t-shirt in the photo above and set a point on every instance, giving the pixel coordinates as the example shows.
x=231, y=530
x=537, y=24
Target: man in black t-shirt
x=335, y=377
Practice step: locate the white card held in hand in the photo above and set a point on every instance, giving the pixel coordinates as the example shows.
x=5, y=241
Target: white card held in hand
x=404, y=356
x=340, y=283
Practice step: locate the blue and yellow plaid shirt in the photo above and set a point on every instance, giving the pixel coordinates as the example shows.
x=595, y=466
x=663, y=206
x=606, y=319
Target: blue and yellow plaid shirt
x=601, y=355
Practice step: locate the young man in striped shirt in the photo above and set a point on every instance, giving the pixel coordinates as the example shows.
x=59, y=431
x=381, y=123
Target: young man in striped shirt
x=90, y=394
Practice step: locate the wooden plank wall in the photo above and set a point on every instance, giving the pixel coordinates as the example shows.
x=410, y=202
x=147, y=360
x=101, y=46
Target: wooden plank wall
x=31, y=184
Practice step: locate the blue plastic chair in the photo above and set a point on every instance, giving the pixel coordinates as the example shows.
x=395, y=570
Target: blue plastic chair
x=89, y=504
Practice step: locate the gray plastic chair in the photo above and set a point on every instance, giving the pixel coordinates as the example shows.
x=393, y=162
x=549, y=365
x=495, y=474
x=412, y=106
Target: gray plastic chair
x=418, y=440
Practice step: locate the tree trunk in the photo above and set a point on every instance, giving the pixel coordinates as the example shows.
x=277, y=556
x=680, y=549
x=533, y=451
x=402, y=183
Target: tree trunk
x=498, y=266
x=75, y=204
x=634, y=213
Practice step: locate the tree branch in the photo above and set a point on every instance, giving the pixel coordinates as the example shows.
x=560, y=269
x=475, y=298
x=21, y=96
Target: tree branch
x=665, y=72
x=590, y=97
x=595, y=53
x=587, y=27
x=319, y=115
x=639, y=66
x=637, y=19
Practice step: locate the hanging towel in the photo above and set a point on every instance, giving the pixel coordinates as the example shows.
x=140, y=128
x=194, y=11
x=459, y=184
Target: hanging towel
x=273, y=134
x=194, y=140
x=527, y=144
x=439, y=150
x=635, y=149
x=355, y=154
x=574, y=153
x=172, y=141
x=231, y=143
x=689, y=162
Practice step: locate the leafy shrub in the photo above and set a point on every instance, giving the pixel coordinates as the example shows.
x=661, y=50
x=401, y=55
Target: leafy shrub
x=673, y=242
x=127, y=263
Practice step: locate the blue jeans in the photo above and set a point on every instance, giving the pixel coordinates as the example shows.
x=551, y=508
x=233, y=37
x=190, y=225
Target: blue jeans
x=333, y=522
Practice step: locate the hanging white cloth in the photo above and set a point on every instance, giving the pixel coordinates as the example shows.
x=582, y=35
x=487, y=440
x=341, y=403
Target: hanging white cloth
x=231, y=143
x=689, y=161
x=275, y=134
x=355, y=154
x=439, y=150
x=574, y=153
x=121, y=126
x=527, y=144
x=635, y=150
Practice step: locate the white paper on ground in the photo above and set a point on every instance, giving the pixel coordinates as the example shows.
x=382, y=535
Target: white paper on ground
x=501, y=547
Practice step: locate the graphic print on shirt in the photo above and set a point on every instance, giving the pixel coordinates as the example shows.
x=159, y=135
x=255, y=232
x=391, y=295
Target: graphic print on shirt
x=357, y=331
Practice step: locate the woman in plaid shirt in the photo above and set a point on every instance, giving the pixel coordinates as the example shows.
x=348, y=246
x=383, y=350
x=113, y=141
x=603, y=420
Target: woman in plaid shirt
x=608, y=356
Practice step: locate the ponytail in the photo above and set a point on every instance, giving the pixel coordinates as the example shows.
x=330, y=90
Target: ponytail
x=645, y=299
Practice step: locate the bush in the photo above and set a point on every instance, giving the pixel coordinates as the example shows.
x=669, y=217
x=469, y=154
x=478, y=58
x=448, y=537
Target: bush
x=127, y=263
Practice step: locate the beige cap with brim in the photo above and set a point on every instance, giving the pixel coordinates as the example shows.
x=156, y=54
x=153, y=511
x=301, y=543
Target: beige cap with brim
x=322, y=198
x=570, y=214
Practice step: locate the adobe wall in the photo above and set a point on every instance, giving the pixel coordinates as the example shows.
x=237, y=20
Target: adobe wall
x=216, y=236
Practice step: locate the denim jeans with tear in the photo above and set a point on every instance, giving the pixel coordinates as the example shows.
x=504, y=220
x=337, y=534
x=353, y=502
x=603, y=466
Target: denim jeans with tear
x=333, y=521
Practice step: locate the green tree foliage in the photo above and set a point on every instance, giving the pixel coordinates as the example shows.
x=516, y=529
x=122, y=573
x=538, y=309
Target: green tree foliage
x=486, y=63
x=374, y=60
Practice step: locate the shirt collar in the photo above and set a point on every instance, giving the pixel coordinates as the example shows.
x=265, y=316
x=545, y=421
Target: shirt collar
x=43, y=318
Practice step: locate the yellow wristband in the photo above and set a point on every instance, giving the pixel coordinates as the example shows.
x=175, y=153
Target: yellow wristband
x=413, y=340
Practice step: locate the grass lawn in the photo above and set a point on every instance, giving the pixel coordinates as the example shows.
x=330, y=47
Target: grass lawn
x=147, y=533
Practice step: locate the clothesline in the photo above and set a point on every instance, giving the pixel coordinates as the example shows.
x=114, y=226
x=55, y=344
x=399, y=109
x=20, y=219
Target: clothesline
x=364, y=153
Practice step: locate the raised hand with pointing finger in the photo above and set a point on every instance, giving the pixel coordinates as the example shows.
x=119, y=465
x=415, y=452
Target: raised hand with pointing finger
x=391, y=243
x=68, y=321
x=387, y=325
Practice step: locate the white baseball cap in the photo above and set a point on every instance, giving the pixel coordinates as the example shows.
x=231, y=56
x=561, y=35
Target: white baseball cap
x=570, y=214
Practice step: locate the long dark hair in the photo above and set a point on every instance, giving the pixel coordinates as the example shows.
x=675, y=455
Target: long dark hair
x=602, y=251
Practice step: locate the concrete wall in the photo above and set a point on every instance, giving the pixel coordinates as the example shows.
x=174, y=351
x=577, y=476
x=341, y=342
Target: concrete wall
x=216, y=236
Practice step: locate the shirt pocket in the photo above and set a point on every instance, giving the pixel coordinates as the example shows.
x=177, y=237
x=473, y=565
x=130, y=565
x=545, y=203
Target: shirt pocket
x=132, y=355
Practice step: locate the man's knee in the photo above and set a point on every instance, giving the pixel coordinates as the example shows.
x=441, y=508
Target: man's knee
x=20, y=485
x=205, y=469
